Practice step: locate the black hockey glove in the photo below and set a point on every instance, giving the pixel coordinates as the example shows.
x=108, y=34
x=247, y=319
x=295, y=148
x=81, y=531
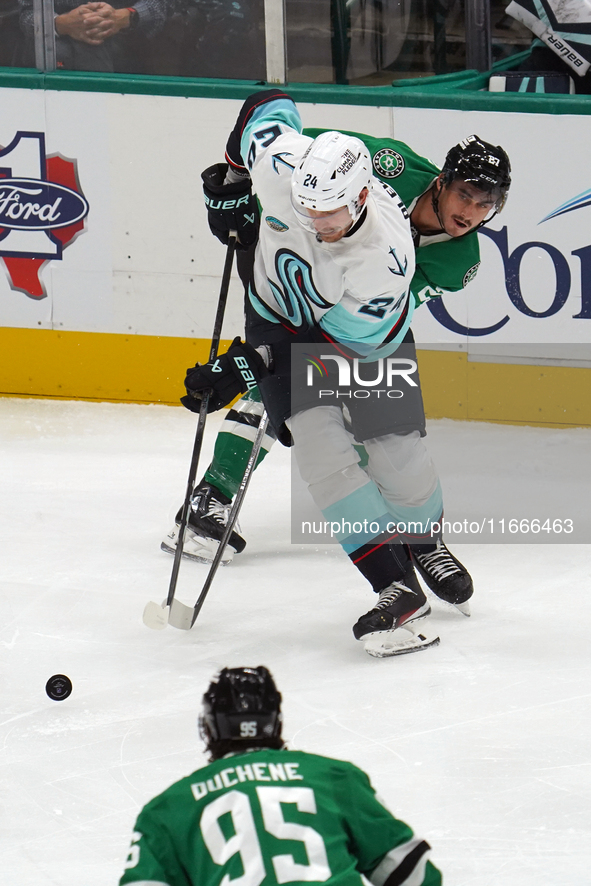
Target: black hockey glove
x=230, y=207
x=235, y=372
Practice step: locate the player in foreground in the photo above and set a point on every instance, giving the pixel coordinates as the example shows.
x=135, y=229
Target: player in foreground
x=262, y=815
x=334, y=262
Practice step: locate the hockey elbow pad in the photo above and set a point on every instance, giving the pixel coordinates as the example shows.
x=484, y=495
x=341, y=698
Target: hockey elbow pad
x=254, y=101
x=235, y=372
x=230, y=207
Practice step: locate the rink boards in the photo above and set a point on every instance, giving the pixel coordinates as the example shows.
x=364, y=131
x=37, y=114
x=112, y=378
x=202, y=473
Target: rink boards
x=116, y=305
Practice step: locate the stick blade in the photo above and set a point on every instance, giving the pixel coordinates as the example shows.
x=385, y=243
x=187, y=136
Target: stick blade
x=155, y=616
x=181, y=616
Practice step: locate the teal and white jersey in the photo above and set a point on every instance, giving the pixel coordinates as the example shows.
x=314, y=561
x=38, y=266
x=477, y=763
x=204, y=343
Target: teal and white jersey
x=443, y=264
x=268, y=818
x=356, y=289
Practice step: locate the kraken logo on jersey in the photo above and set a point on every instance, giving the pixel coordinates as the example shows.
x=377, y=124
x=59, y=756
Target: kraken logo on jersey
x=298, y=292
x=279, y=162
x=275, y=224
x=388, y=163
x=400, y=269
x=470, y=274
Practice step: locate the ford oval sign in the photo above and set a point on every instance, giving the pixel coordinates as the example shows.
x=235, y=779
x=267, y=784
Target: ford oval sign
x=28, y=204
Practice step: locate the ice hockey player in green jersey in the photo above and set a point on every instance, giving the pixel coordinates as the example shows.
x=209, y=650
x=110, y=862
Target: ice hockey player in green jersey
x=446, y=209
x=262, y=815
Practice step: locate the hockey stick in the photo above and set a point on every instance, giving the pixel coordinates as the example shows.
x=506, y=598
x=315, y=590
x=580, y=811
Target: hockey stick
x=184, y=617
x=156, y=616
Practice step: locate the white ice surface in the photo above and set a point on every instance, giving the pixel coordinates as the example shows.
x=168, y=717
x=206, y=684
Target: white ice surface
x=482, y=744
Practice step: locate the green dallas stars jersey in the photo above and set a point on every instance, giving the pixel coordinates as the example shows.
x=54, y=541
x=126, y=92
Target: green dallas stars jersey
x=446, y=265
x=272, y=817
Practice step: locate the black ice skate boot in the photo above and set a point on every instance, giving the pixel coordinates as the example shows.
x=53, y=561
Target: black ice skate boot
x=444, y=574
x=391, y=628
x=208, y=518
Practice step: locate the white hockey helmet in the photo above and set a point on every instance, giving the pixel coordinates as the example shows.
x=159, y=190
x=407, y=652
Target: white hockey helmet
x=331, y=175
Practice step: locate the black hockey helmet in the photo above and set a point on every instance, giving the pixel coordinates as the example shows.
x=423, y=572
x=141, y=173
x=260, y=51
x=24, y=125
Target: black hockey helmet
x=242, y=705
x=484, y=165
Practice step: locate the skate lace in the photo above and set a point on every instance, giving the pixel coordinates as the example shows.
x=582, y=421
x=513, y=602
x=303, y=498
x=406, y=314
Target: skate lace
x=438, y=563
x=219, y=512
x=390, y=594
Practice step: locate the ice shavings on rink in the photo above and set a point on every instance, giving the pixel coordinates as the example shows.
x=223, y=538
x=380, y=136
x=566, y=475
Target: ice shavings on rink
x=480, y=743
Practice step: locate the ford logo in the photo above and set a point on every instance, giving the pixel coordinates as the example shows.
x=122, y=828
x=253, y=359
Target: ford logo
x=28, y=204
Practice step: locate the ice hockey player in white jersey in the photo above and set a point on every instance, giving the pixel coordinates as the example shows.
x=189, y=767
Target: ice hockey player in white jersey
x=333, y=264
x=467, y=192
x=318, y=271
x=323, y=272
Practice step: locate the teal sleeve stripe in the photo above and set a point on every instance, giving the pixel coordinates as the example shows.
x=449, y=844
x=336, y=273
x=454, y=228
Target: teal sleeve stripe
x=346, y=327
x=373, y=354
x=260, y=308
x=282, y=112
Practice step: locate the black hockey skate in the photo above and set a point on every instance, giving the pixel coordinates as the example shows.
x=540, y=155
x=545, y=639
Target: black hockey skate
x=208, y=518
x=445, y=576
x=390, y=627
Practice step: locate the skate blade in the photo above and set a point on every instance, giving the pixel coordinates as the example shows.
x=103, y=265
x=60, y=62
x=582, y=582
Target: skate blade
x=463, y=608
x=401, y=641
x=206, y=557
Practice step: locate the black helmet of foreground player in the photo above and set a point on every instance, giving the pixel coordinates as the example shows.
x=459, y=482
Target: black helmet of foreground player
x=241, y=709
x=480, y=164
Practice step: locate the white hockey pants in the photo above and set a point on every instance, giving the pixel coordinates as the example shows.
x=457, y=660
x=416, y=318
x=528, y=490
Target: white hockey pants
x=398, y=492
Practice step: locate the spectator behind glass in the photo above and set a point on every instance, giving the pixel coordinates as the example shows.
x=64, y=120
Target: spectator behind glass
x=225, y=38
x=95, y=36
x=210, y=38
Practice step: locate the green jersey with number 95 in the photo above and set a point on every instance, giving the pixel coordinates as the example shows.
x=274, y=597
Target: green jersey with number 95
x=271, y=817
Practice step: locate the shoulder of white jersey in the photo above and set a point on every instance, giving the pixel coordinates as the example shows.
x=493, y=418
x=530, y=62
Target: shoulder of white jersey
x=279, y=158
x=267, y=124
x=386, y=196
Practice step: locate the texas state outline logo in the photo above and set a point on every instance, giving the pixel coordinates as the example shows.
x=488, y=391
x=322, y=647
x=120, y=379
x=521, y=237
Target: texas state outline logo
x=42, y=210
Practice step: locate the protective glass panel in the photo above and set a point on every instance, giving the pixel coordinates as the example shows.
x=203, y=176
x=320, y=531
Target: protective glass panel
x=185, y=38
x=11, y=37
x=508, y=36
x=373, y=42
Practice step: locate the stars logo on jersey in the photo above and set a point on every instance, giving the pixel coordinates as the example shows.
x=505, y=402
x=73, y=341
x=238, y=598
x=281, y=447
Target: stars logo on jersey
x=400, y=269
x=388, y=163
x=276, y=225
x=469, y=275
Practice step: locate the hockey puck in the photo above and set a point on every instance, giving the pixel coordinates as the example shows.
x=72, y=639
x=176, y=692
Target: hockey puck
x=58, y=687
